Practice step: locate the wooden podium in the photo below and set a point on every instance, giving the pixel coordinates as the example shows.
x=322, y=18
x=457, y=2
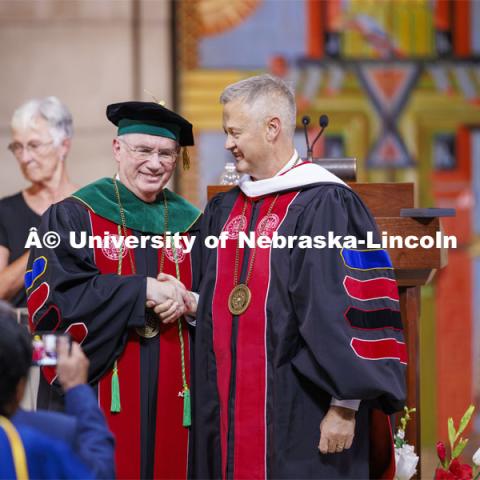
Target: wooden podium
x=392, y=205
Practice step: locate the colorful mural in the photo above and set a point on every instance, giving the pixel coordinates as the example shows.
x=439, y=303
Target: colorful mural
x=400, y=81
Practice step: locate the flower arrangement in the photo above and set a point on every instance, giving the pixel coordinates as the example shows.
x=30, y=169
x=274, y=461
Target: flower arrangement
x=406, y=459
x=451, y=468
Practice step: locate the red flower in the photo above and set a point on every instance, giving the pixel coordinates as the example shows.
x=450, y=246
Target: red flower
x=457, y=471
x=441, y=451
x=461, y=472
x=441, y=474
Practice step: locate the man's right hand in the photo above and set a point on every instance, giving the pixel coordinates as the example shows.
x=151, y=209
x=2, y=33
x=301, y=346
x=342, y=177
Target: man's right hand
x=167, y=311
x=170, y=294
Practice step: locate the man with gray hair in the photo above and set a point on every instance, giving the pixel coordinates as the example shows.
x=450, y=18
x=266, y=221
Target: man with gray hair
x=296, y=347
x=42, y=131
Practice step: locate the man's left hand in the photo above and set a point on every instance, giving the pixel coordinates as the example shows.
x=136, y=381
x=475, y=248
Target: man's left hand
x=337, y=430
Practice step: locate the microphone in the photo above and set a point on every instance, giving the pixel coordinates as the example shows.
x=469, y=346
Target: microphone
x=306, y=122
x=323, y=121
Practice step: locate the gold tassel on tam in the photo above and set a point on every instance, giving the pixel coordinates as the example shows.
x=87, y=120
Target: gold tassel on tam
x=185, y=159
x=155, y=99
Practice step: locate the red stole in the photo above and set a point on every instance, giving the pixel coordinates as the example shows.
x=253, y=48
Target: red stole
x=251, y=356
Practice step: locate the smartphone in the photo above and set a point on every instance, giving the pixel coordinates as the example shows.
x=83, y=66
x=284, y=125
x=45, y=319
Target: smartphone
x=45, y=348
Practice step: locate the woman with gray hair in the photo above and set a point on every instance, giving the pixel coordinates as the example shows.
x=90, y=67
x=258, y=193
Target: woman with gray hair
x=41, y=131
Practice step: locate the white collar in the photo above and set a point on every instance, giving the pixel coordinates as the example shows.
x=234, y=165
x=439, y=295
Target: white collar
x=289, y=177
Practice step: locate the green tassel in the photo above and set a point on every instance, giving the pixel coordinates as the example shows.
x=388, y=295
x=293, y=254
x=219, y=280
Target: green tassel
x=115, y=406
x=187, y=416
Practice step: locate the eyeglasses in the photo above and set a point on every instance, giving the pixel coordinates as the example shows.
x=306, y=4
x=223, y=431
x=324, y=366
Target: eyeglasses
x=38, y=148
x=167, y=156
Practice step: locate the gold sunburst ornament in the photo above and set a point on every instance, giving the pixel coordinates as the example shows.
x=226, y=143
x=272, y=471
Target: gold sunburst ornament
x=217, y=16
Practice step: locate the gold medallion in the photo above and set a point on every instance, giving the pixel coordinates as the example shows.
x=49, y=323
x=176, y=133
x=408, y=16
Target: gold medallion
x=239, y=299
x=147, y=331
x=150, y=329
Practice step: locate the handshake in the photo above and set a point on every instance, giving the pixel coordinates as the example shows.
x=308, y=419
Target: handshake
x=169, y=298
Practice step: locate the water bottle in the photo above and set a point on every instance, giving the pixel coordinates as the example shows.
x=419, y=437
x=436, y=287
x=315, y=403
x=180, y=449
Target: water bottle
x=229, y=176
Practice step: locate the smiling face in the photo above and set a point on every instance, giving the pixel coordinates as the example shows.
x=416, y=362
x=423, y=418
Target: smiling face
x=145, y=163
x=246, y=138
x=39, y=158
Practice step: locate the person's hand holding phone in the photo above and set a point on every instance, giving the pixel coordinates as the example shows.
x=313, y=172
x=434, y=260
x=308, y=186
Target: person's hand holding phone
x=72, y=366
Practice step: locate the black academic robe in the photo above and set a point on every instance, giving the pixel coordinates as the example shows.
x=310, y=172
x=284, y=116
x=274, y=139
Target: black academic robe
x=79, y=290
x=322, y=323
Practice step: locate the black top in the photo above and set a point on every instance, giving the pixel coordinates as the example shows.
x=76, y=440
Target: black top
x=16, y=218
